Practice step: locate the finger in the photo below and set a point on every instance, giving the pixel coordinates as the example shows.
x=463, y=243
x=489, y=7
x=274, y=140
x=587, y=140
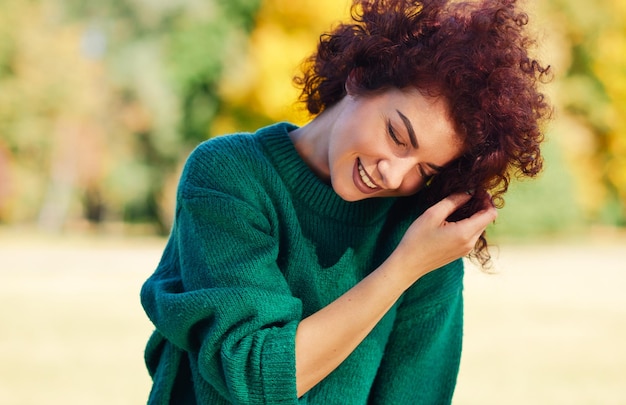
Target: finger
x=451, y=203
x=481, y=219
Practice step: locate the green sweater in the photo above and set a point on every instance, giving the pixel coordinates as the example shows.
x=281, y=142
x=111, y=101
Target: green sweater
x=258, y=244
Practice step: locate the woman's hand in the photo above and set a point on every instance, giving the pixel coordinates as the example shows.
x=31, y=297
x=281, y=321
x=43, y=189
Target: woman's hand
x=432, y=242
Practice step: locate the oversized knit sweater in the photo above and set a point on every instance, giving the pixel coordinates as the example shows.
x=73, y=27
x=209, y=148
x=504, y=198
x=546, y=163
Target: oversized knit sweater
x=259, y=242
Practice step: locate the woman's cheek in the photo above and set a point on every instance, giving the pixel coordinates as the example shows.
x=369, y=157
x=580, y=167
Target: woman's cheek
x=411, y=186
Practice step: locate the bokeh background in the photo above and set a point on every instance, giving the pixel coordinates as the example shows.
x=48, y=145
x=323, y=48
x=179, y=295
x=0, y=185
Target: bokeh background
x=101, y=102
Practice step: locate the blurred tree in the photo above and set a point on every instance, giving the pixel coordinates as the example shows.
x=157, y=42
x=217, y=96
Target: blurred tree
x=591, y=92
x=541, y=207
x=166, y=59
x=50, y=95
x=102, y=100
x=610, y=67
x=257, y=89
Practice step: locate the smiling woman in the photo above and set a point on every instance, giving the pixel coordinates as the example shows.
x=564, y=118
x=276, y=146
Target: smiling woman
x=322, y=264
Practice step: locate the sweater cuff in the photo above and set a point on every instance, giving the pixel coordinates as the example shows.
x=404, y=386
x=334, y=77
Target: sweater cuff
x=279, y=367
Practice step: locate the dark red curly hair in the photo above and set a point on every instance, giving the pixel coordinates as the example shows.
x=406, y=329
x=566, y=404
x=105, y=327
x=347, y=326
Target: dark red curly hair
x=475, y=55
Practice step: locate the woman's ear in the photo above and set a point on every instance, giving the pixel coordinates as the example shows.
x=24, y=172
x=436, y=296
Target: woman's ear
x=352, y=82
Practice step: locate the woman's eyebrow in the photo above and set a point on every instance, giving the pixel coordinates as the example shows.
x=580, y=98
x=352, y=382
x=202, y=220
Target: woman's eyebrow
x=413, y=138
x=409, y=128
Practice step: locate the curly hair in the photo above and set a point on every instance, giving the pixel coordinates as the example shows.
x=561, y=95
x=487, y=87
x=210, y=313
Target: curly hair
x=475, y=54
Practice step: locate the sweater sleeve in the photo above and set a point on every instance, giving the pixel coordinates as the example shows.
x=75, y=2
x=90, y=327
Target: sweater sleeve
x=422, y=356
x=219, y=295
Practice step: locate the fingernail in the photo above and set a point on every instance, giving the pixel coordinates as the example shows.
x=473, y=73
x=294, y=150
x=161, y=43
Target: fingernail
x=470, y=192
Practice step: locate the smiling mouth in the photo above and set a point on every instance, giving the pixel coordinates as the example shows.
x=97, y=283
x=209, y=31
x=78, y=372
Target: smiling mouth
x=365, y=177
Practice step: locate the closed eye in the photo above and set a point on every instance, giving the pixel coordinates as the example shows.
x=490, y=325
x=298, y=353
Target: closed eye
x=423, y=172
x=427, y=175
x=392, y=134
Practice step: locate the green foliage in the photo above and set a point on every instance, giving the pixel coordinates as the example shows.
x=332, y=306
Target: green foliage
x=547, y=205
x=135, y=81
x=169, y=58
x=592, y=94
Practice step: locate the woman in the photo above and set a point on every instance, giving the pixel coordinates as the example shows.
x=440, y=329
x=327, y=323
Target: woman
x=321, y=264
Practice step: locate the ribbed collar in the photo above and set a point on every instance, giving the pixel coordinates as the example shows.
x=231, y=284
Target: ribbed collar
x=308, y=189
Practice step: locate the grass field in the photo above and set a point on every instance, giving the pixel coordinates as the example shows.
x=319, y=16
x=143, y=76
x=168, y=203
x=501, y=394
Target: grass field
x=548, y=328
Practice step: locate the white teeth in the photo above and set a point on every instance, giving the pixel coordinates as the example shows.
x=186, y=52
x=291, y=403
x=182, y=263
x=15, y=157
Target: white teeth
x=365, y=177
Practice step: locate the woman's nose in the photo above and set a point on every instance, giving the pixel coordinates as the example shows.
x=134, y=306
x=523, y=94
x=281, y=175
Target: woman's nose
x=394, y=171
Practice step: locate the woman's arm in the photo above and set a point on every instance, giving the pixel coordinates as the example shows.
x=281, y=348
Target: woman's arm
x=422, y=356
x=329, y=336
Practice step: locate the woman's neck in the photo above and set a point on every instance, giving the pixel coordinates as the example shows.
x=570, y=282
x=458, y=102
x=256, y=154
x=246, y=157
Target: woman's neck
x=312, y=141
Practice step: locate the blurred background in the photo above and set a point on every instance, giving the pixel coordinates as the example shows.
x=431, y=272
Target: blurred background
x=101, y=102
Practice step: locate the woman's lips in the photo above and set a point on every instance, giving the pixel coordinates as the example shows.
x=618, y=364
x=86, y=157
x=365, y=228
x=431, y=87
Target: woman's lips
x=362, y=179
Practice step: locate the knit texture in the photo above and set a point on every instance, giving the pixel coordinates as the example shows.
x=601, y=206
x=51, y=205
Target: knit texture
x=258, y=244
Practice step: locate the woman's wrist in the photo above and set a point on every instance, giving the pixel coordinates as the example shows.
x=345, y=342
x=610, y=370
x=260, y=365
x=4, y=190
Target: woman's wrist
x=398, y=273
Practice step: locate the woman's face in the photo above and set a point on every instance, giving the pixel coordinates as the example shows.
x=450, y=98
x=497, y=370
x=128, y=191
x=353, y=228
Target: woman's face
x=389, y=144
